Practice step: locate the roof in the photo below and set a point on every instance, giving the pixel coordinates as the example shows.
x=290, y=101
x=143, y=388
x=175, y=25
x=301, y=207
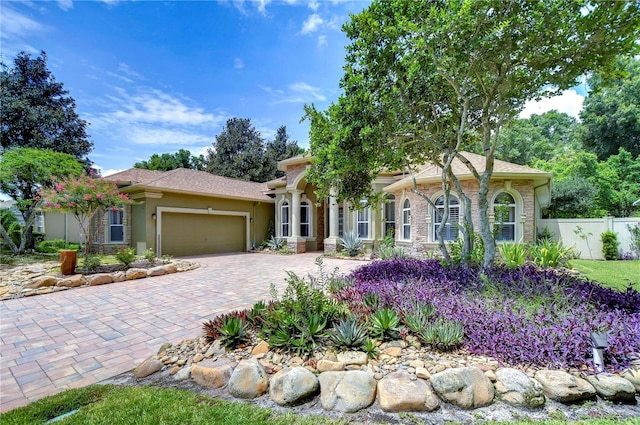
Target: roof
x=430, y=173
x=194, y=182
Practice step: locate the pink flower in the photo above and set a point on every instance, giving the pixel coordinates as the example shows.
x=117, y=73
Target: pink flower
x=57, y=206
x=99, y=195
x=37, y=198
x=87, y=196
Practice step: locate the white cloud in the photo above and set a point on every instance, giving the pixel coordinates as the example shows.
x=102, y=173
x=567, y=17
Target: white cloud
x=307, y=90
x=322, y=41
x=313, y=22
x=143, y=135
x=65, y=4
x=14, y=24
x=238, y=63
x=126, y=69
x=313, y=5
x=299, y=92
x=108, y=172
x=262, y=6
x=569, y=102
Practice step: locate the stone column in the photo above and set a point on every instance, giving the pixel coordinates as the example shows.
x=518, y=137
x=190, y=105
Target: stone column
x=331, y=243
x=295, y=242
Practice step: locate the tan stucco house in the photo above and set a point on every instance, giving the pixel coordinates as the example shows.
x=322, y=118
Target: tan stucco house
x=311, y=224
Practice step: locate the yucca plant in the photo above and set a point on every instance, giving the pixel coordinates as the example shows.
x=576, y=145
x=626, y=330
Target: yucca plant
x=348, y=333
x=351, y=243
x=384, y=324
x=513, y=254
x=550, y=254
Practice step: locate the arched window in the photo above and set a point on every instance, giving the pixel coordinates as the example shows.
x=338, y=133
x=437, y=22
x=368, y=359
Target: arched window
x=362, y=220
x=284, y=219
x=305, y=219
x=504, y=210
x=450, y=228
x=389, y=225
x=406, y=220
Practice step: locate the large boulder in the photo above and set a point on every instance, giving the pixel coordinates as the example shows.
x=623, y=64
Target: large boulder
x=517, y=389
x=99, y=279
x=564, y=387
x=292, y=385
x=397, y=392
x=136, y=273
x=348, y=391
x=633, y=376
x=41, y=282
x=353, y=358
x=248, y=380
x=465, y=387
x=613, y=388
x=156, y=271
x=212, y=373
x=148, y=367
x=72, y=282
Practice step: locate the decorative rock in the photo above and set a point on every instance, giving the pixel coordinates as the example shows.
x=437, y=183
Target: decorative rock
x=292, y=385
x=99, y=279
x=633, y=376
x=198, y=358
x=416, y=364
x=399, y=393
x=261, y=348
x=135, y=273
x=147, y=367
x=119, y=276
x=211, y=373
x=216, y=349
x=164, y=347
x=42, y=281
x=347, y=391
x=156, y=271
x=248, y=380
x=170, y=268
x=329, y=366
x=466, y=387
x=183, y=374
x=73, y=281
x=392, y=351
x=517, y=389
x=563, y=387
x=613, y=388
x=491, y=375
x=353, y=357
x=422, y=373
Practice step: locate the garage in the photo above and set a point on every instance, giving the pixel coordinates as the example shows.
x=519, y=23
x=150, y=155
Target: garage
x=196, y=232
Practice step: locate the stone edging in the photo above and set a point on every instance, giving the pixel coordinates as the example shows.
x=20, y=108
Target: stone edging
x=347, y=382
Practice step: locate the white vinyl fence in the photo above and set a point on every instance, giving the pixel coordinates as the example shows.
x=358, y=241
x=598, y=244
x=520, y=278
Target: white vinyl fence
x=584, y=233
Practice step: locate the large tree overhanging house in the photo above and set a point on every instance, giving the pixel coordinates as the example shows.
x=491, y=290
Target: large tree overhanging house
x=186, y=212
x=517, y=194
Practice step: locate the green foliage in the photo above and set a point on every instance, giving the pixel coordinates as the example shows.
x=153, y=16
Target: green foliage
x=348, y=333
x=351, y=243
x=610, y=245
x=92, y=262
x=387, y=249
x=371, y=348
x=385, y=324
x=371, y=300
x=168, y=161
x=634, y=231
x=11, y=226
x=150, y=255
x=275, y=244
x=126, y=255
x=56, y=245
x=547, y=253
x=418, y=317
x=443, y=334
x=233, y=331
x=476, y=255
x=513, y=254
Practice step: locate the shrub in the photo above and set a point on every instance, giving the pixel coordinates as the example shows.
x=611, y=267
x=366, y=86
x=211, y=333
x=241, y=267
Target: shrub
x=125, y=255
x=55, y=245
x=634, y=231
x=351, y=243
x=513, y=254
x=93, y=262
x=610, y=245
x=149, y=255
x=551, y=254
x=476, y=256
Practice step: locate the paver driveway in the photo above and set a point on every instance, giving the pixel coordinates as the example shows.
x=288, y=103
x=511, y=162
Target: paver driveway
x=75, y=338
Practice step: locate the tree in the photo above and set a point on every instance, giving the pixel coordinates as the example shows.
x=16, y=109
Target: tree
x=611, y=112
x=281, y=147
x=24, y=172
x=83, y=197
x=168, y=161
x=539, y=137
x=37, y=112
x=428, y=78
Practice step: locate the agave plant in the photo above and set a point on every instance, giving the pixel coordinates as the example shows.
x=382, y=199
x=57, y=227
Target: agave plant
x=233, y=331
x=419, y=316
x=348, y=333
x=371, y=348
x=384, y=324
x=275, y=243
x=351, y=243
x=444, y=335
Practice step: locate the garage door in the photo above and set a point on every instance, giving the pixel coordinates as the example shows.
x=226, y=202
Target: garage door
x=195, y=234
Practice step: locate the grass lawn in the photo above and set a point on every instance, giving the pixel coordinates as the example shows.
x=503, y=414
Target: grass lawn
x=107, y=404
x=613, y=274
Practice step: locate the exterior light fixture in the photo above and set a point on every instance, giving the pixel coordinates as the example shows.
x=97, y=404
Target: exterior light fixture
x=599, y=343
x=153, y=216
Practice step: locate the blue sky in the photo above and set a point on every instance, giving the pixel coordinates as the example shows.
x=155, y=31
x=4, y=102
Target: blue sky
x=155, y=76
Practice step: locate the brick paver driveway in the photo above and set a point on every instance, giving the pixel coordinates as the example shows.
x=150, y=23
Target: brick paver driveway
x=78, y=337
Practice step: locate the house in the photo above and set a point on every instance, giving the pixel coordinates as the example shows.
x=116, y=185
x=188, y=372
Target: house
x=179, y=212
x=516, y=195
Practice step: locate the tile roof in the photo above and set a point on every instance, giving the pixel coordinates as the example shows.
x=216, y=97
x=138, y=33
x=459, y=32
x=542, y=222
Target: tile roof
x=194, y=182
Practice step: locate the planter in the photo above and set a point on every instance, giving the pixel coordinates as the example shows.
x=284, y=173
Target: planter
x=68, y=259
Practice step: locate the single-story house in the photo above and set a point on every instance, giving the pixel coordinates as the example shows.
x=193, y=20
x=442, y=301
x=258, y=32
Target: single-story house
x=516, y=195
x=179, y=212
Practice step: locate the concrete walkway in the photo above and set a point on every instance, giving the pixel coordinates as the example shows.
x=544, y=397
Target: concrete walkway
x=74, y=338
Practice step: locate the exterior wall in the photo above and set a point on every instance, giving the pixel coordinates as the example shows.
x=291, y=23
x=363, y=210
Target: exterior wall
x=294, y=171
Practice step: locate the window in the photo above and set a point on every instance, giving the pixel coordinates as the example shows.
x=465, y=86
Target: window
x=362, y=221
x=340, y=221
x=406, y=220
x=504, y=210
x=284, y=216
x=450, y=228
x=116, y=227
x=305, y=219
x=389, y=224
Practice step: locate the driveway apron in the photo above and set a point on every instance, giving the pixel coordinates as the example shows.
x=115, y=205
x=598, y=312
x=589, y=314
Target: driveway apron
x=74, y=338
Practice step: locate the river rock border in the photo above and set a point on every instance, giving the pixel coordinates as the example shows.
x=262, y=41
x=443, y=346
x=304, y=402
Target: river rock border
x=26, y=281
x=403, y=378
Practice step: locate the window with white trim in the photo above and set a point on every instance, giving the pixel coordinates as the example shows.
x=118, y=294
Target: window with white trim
x=450, y=228
x=389, y=224
x=284, y=219
x=340, y=220
x=406, y=220
x=116, y=225
x=305, y=219
x=504, y=210
x=362, y=220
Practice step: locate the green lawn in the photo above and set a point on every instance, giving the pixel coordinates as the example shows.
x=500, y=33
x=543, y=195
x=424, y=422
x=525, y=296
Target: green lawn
x=613, y=274
x=107, y=404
